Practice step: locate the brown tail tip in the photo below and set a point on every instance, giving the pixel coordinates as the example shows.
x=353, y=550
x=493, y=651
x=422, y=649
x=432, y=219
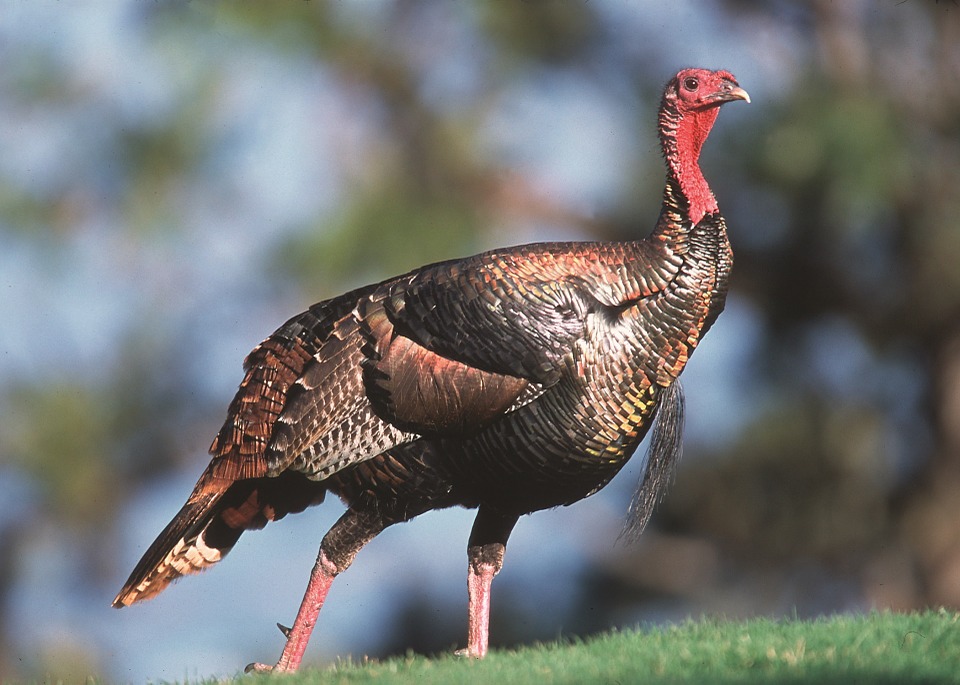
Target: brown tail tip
x=171, y=555
x=184, y=559
x=123, y=599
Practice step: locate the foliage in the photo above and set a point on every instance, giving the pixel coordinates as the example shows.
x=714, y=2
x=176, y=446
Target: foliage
x=177, y=178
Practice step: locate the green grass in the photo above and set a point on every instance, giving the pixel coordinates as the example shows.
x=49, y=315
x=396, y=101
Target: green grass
x=878, y=648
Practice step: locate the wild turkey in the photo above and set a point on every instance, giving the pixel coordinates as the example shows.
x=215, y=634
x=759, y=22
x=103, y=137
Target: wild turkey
x=511, y=381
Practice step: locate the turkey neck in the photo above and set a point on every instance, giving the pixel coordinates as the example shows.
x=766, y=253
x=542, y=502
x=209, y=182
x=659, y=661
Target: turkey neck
x=687, y=197
x=690, y=224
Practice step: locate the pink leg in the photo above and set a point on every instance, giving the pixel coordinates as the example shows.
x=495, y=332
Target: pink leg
x=324, y=571
x=485, y=562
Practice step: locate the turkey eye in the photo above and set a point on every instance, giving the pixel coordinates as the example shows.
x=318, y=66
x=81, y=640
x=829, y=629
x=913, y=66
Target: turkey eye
x=690, y=83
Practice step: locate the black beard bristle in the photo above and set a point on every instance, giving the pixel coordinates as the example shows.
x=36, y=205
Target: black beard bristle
x=663, y=455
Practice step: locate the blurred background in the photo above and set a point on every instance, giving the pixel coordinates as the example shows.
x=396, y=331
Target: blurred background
x=178, y=178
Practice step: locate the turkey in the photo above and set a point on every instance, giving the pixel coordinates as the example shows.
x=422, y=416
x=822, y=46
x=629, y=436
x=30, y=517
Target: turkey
x=512, y=381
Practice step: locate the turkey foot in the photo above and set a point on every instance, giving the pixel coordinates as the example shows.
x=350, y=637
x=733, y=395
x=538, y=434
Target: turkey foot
x=324, y=571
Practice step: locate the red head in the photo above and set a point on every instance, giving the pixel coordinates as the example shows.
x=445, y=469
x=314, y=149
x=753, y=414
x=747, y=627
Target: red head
x=699, y=89
x=691, y=102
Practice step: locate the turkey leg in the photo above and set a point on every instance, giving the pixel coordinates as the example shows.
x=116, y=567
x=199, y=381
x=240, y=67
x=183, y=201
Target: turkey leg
x=339, y=547
x=488, y=543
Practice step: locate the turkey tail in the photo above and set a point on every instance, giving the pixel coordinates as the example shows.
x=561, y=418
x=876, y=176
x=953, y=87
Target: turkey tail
x=210, y=523
x=179, y=550
x=663, y=455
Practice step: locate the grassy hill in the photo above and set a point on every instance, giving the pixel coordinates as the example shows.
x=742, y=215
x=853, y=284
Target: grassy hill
x=879, y=648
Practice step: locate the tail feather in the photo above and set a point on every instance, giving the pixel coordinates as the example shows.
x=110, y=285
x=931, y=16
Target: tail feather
x=179, y=550
x=210, y=523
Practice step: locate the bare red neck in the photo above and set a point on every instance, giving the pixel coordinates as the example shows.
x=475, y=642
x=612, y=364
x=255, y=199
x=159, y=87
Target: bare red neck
x=682, y=137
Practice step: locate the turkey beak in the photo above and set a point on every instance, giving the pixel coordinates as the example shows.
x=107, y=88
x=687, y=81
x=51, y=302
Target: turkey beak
x=729, y=92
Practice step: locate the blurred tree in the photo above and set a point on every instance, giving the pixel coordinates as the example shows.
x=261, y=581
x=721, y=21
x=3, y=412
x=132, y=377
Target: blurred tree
x=846, y=244
x=134, y=195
